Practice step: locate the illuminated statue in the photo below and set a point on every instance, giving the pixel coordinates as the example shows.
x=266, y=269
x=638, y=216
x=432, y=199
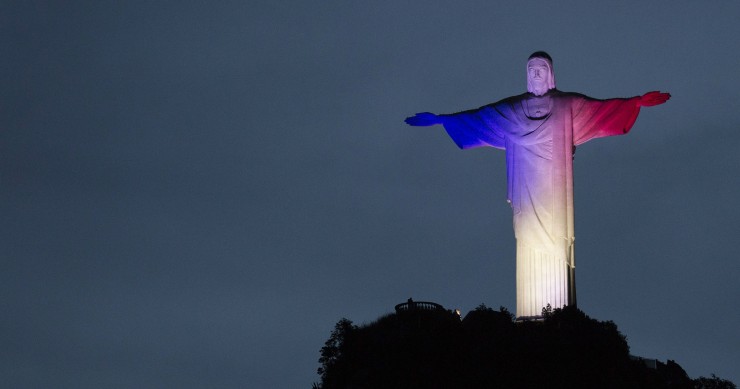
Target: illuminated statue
x=539, y=131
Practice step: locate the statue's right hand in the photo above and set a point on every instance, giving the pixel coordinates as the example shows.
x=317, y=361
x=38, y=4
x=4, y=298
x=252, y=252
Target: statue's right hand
x=423, y=119
x=653, y=98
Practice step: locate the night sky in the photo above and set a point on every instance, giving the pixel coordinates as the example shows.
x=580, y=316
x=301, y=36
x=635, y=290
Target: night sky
x=192, y=195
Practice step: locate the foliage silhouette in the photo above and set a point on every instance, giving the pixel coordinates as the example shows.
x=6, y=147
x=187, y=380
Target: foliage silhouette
x=713, y=383
x=333, y=349
x=486, y=349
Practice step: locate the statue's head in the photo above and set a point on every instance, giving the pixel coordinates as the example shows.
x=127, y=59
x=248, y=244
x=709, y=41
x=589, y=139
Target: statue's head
x=540, y=74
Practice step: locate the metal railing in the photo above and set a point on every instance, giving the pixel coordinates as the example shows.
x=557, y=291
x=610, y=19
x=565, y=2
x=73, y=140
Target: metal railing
x=418, y=306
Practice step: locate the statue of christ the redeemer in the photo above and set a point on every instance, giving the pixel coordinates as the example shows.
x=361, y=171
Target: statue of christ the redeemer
x=539, y=131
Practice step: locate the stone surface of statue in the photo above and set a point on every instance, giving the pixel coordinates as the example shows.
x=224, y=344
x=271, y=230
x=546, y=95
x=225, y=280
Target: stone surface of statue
x=539, y=131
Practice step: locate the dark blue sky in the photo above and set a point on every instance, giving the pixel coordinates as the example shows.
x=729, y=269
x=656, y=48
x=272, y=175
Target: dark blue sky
x=192, y=195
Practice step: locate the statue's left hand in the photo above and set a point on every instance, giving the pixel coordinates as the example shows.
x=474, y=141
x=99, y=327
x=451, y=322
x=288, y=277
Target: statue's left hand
x=423, y=119
x=653, y=98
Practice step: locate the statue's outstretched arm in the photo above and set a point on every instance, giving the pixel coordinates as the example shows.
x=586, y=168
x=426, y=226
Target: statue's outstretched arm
x=424, y=119
x=652, y=98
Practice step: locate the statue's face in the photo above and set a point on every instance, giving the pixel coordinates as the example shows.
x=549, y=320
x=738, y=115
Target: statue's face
x=538, y=74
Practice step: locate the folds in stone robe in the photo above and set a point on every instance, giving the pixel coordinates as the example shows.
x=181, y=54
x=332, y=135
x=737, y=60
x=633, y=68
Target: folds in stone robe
x=539, y=135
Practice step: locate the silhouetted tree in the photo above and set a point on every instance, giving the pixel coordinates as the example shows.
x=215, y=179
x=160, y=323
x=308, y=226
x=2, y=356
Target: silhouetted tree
x=547, y=311
x=333, y=349
x=713, y=383
x=487, y=349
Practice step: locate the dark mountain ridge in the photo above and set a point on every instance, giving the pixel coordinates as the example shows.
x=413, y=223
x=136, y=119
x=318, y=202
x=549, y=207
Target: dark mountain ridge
x=423, y=345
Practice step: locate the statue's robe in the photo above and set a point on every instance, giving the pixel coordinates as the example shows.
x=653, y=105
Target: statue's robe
x=539, y=163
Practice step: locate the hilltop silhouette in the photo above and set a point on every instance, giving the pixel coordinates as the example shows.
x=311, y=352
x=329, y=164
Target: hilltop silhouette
x=422, y=345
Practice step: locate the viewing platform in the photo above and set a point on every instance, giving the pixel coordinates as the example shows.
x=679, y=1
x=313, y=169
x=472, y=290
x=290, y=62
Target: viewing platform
x=412, y=305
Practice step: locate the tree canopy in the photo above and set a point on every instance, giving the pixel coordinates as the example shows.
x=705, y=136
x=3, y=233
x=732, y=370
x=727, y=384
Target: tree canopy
x=488, y=348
